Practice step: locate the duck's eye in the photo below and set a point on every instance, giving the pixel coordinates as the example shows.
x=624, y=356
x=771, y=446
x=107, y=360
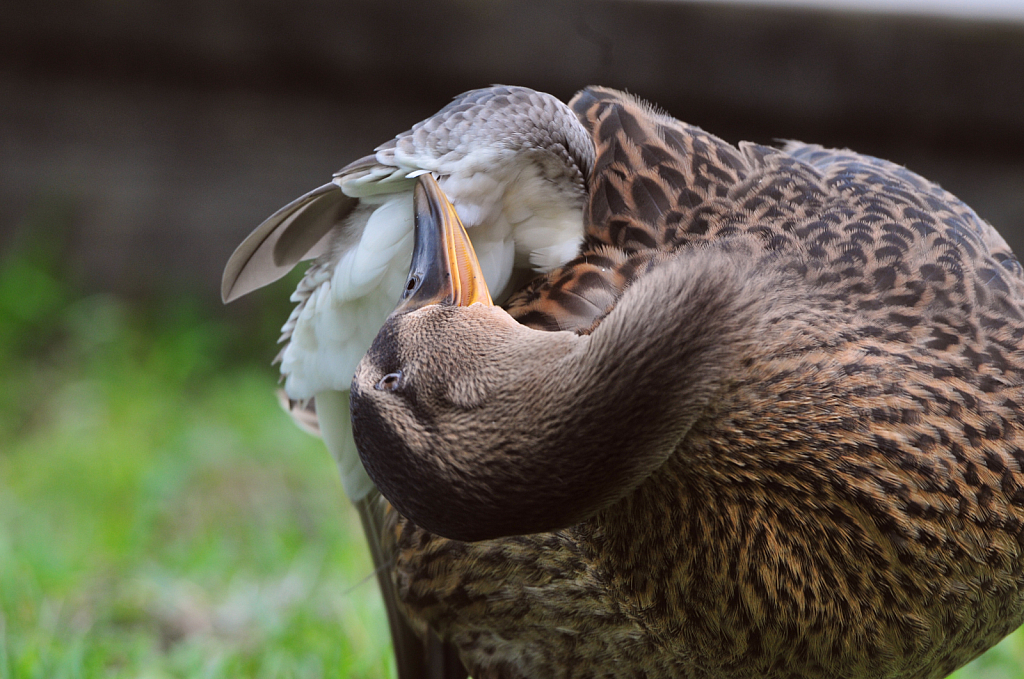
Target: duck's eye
x=389, y=382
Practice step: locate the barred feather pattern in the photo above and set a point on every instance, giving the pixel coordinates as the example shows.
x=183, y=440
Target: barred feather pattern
x=854, y=505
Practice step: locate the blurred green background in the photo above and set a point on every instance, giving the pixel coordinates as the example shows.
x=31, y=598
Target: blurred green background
x=159, y=515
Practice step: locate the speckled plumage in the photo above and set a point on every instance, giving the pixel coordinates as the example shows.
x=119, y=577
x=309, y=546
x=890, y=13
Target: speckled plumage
x=851, y=502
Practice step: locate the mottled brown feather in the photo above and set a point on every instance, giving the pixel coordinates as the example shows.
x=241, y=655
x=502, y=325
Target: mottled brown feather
x=852, y=507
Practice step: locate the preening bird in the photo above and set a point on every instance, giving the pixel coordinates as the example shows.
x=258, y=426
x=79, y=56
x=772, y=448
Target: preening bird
x=791, y=446
x=763, y=420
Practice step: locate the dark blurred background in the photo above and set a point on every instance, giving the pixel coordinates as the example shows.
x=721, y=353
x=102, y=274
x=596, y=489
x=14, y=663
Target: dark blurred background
x=166, y=131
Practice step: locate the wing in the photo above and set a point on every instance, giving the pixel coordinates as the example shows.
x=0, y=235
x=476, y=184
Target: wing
x=512, y=160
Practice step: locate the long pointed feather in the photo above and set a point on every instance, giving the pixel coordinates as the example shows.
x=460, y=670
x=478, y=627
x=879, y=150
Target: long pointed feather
x=295, y=232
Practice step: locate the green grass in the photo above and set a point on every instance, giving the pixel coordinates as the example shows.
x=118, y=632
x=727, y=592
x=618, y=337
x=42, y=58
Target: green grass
x=160, y=516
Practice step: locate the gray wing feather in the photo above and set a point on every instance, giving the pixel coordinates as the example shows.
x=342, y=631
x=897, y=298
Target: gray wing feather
x=296, y=232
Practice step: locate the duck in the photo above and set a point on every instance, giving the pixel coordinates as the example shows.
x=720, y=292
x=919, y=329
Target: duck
x=768, y=423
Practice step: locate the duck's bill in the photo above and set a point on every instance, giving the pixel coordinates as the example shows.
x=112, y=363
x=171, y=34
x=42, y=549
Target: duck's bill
x=444, y=267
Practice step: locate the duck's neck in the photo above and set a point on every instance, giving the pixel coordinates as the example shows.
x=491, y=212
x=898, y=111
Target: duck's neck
x=660, y=361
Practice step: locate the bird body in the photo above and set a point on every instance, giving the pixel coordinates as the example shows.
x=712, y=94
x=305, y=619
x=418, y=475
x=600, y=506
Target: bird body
x=760, y=414
x=779, y=435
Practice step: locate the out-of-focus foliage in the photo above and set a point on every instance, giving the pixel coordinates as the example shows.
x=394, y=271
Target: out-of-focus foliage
x=159, y=515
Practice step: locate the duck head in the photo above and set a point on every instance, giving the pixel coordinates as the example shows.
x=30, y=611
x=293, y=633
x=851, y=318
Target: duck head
x=476, y=427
